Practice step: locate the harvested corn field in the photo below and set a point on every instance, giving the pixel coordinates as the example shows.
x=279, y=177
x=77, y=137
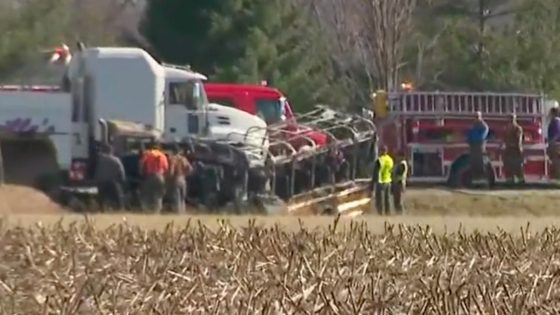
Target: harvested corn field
x=343, y=268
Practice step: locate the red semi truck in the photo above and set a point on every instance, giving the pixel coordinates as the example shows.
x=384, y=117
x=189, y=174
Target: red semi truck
x=267, y=102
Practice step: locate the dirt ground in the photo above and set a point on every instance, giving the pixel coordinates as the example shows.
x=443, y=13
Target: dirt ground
x=483, y=203
x=25, y=200
x=440, y=209
x=419, y=202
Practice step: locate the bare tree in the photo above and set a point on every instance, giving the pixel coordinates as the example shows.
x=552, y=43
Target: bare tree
x=366, y=37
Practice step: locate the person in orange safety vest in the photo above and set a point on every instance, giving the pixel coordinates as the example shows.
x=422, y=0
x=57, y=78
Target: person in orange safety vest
x=153, y=167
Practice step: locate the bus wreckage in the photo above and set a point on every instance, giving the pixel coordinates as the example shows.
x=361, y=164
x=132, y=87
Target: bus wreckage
x=297, y=176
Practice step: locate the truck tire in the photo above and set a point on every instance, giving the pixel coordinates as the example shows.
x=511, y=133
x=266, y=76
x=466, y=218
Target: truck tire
x=461, y=177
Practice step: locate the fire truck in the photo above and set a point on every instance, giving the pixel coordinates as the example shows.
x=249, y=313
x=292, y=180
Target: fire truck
x=431, y=129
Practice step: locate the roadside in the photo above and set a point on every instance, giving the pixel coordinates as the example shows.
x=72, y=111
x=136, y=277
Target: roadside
x=483, y=203
x=419, y=202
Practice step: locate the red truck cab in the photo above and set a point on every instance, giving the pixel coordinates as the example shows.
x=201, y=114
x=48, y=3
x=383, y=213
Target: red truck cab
x=267, y=102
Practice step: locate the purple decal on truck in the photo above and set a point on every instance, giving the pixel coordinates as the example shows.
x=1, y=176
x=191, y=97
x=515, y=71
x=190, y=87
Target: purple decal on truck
x=25, y=125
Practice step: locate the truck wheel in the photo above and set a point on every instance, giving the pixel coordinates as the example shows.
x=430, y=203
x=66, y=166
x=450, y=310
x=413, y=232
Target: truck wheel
x=461, y=177
x=73, y=202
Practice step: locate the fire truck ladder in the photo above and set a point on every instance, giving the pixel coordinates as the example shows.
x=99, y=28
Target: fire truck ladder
x=449, y=104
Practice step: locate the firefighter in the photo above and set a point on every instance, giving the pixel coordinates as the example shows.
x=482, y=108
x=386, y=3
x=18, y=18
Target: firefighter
x=109, y=178
x=399, y=182
x=553, y=149
x=179, y=169
x=513, y=152
x=382, y=181
x=154, y=165
x=477, y=146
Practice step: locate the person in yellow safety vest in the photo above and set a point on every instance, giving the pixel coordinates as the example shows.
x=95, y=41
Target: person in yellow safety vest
x=382, y=178
x=399, y=182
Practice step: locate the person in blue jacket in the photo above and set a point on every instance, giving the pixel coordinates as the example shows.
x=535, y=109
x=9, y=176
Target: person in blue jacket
x=476, y=139
x=553, y=138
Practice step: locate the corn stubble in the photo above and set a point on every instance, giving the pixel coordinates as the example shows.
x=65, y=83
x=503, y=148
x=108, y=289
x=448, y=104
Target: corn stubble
x=79, y=269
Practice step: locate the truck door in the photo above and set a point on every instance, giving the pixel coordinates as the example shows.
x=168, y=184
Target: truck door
x=186, y=109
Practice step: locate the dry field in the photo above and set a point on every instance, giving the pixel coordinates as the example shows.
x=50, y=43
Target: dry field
x=57, y=263
x=345, y=267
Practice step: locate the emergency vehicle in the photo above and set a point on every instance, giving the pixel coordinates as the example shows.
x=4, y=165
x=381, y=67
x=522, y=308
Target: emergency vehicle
x=268, y=103
x=431, y=129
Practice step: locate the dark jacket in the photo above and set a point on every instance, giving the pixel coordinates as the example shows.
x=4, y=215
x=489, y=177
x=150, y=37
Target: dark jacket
x=553, y=132
x=109, y=168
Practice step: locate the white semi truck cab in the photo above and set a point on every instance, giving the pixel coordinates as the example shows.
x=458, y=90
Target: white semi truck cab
x=122, y=92
x=127, y=84
x=188, y=114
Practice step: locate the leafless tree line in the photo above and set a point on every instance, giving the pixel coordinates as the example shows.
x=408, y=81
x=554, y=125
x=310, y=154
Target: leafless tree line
x=366, y=37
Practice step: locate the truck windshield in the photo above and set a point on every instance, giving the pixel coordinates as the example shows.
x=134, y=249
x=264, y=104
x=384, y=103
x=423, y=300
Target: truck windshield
x=190, y=94
x=269, y=110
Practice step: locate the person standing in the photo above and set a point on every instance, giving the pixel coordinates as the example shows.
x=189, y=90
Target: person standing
x=513, y=152
x=131, y=164
x=109, y=178
x=179, y=169
x=477, y=146
x=553, y=137
x=382, y=180
x=154, y=165
x=399, y=183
